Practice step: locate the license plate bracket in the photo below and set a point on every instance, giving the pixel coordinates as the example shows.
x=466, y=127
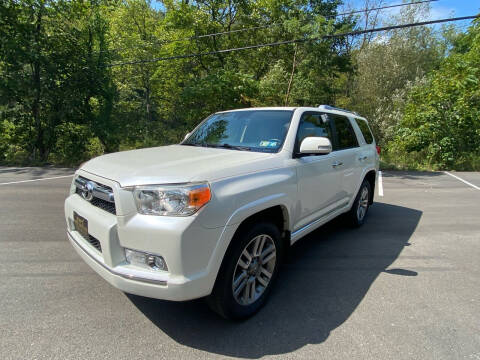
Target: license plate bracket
x=81, y=225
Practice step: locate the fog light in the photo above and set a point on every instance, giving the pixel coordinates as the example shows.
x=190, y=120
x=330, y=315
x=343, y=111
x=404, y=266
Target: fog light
x=156, y=262
x=145, y=260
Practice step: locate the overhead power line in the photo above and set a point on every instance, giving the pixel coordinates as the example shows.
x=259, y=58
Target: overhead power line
x=294, y=41
x=353, y=12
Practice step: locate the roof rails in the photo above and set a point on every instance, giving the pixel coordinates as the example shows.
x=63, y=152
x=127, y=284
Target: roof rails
x=328, y=107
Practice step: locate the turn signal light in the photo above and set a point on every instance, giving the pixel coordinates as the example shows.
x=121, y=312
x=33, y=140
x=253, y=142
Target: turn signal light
x=199, y=197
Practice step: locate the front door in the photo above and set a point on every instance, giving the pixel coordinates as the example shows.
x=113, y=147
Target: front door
x=318, y=178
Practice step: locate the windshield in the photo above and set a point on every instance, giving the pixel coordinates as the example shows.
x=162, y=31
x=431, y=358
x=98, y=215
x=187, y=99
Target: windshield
x=251, y=130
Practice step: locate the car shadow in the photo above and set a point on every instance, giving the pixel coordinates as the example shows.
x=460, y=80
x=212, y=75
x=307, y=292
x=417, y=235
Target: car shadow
x=324, y=278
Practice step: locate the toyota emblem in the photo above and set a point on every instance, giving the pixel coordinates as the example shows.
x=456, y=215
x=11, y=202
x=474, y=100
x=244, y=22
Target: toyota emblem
x=87, y=191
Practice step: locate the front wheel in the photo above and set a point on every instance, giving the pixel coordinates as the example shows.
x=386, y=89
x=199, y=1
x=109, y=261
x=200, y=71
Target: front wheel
x=360, y=206
x=248, y=272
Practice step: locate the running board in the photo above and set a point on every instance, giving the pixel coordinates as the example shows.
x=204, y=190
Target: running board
x=297, y=234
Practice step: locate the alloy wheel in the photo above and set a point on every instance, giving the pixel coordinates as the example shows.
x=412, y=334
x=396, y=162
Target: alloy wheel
x=254, y=269
x=362, y=204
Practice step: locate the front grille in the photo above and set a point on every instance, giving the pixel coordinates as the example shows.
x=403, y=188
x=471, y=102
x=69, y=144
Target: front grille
x=100, y=203
x=101, y=195
x=95, y=243
x=104, y=205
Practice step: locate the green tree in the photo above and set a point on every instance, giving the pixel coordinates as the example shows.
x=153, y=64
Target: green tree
x=441, y=125
x=387, y=66
x=53, y=64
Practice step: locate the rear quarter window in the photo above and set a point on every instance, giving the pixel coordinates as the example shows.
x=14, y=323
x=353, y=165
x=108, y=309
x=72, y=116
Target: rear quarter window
x=365, y=129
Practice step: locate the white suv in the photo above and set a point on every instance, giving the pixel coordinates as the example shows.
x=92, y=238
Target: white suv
x=213, y=216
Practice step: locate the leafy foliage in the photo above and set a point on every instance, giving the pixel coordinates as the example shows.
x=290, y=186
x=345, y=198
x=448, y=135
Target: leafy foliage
x=442, y=116
x=64, y=97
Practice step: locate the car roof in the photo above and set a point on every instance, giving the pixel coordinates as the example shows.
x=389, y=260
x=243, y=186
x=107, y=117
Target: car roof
x=260, y=108
x=303, y=108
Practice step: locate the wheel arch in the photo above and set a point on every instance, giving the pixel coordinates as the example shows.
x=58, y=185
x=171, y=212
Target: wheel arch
x=276, y=214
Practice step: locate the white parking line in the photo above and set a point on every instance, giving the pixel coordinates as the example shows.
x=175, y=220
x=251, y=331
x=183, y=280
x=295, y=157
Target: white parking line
x=380, y=184
x=464, y=181
x=41, y=179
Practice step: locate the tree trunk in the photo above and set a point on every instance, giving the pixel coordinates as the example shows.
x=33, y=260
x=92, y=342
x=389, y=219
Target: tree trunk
x=37, y=86
x=291, y=75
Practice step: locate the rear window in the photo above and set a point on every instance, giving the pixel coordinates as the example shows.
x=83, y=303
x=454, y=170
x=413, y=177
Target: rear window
x=365, y=129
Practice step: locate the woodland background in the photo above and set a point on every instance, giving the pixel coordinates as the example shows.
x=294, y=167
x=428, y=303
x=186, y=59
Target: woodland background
x=64, y=97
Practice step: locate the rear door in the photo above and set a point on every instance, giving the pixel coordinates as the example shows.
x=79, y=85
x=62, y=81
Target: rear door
x=368, y=155
x=347, y=151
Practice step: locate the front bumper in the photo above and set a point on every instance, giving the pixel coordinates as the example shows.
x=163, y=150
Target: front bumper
x=136, y=283
x=192, y=252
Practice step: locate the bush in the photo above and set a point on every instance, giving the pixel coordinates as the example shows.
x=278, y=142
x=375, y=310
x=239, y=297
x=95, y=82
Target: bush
x=74, y=144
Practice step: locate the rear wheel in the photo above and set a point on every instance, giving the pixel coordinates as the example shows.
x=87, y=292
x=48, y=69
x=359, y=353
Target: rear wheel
x=248, y=272
x=360, y=206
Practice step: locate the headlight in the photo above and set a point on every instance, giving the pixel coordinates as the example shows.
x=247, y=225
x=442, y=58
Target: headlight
x=171, y=200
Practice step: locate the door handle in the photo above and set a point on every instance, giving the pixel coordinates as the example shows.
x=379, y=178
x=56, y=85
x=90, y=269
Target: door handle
x=337, y=163
x=361, y=158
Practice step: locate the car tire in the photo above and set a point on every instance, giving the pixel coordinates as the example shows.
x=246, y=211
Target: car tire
x=359, y=210
x=248, y=272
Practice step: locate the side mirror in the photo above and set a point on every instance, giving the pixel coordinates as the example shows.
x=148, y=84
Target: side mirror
x=185, y=138
x=316, y=145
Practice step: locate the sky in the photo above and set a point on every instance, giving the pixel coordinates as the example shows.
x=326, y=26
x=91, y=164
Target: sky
x=444, y=8
x=440, y=9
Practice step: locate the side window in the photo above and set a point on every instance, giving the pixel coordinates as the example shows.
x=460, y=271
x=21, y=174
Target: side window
x=313, y=124
x=365, y=129
x=346, y=137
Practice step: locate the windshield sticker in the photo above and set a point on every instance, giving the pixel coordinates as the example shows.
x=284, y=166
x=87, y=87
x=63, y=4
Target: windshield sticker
x=268, y=143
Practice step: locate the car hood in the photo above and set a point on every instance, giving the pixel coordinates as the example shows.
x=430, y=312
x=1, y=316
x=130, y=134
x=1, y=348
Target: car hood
x=177, y=164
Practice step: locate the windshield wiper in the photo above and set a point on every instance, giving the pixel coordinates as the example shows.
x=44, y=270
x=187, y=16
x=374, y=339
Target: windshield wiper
x=229, y=146
x=200, y=145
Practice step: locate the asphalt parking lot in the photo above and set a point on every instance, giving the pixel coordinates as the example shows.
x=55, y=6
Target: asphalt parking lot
x=404, y=286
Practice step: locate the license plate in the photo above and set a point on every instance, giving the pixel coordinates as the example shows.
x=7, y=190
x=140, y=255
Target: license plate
x=81, y=225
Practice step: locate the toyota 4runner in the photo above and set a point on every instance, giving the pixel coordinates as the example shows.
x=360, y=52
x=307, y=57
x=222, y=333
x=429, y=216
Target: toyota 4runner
x=212, y=216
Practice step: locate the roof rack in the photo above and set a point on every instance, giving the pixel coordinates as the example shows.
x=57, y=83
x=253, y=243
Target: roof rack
x=329, y=107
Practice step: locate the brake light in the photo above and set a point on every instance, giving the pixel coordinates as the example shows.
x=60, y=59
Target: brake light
x=379, y=150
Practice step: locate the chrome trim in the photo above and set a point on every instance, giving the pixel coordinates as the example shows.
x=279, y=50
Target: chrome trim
x=103, y=194
x=123, y=275
x=94, y=189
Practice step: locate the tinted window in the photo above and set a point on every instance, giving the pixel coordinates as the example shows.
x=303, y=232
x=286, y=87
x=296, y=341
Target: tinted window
x=254, y=130
x=313, y=125
x=367, y=134
x=346, y=137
